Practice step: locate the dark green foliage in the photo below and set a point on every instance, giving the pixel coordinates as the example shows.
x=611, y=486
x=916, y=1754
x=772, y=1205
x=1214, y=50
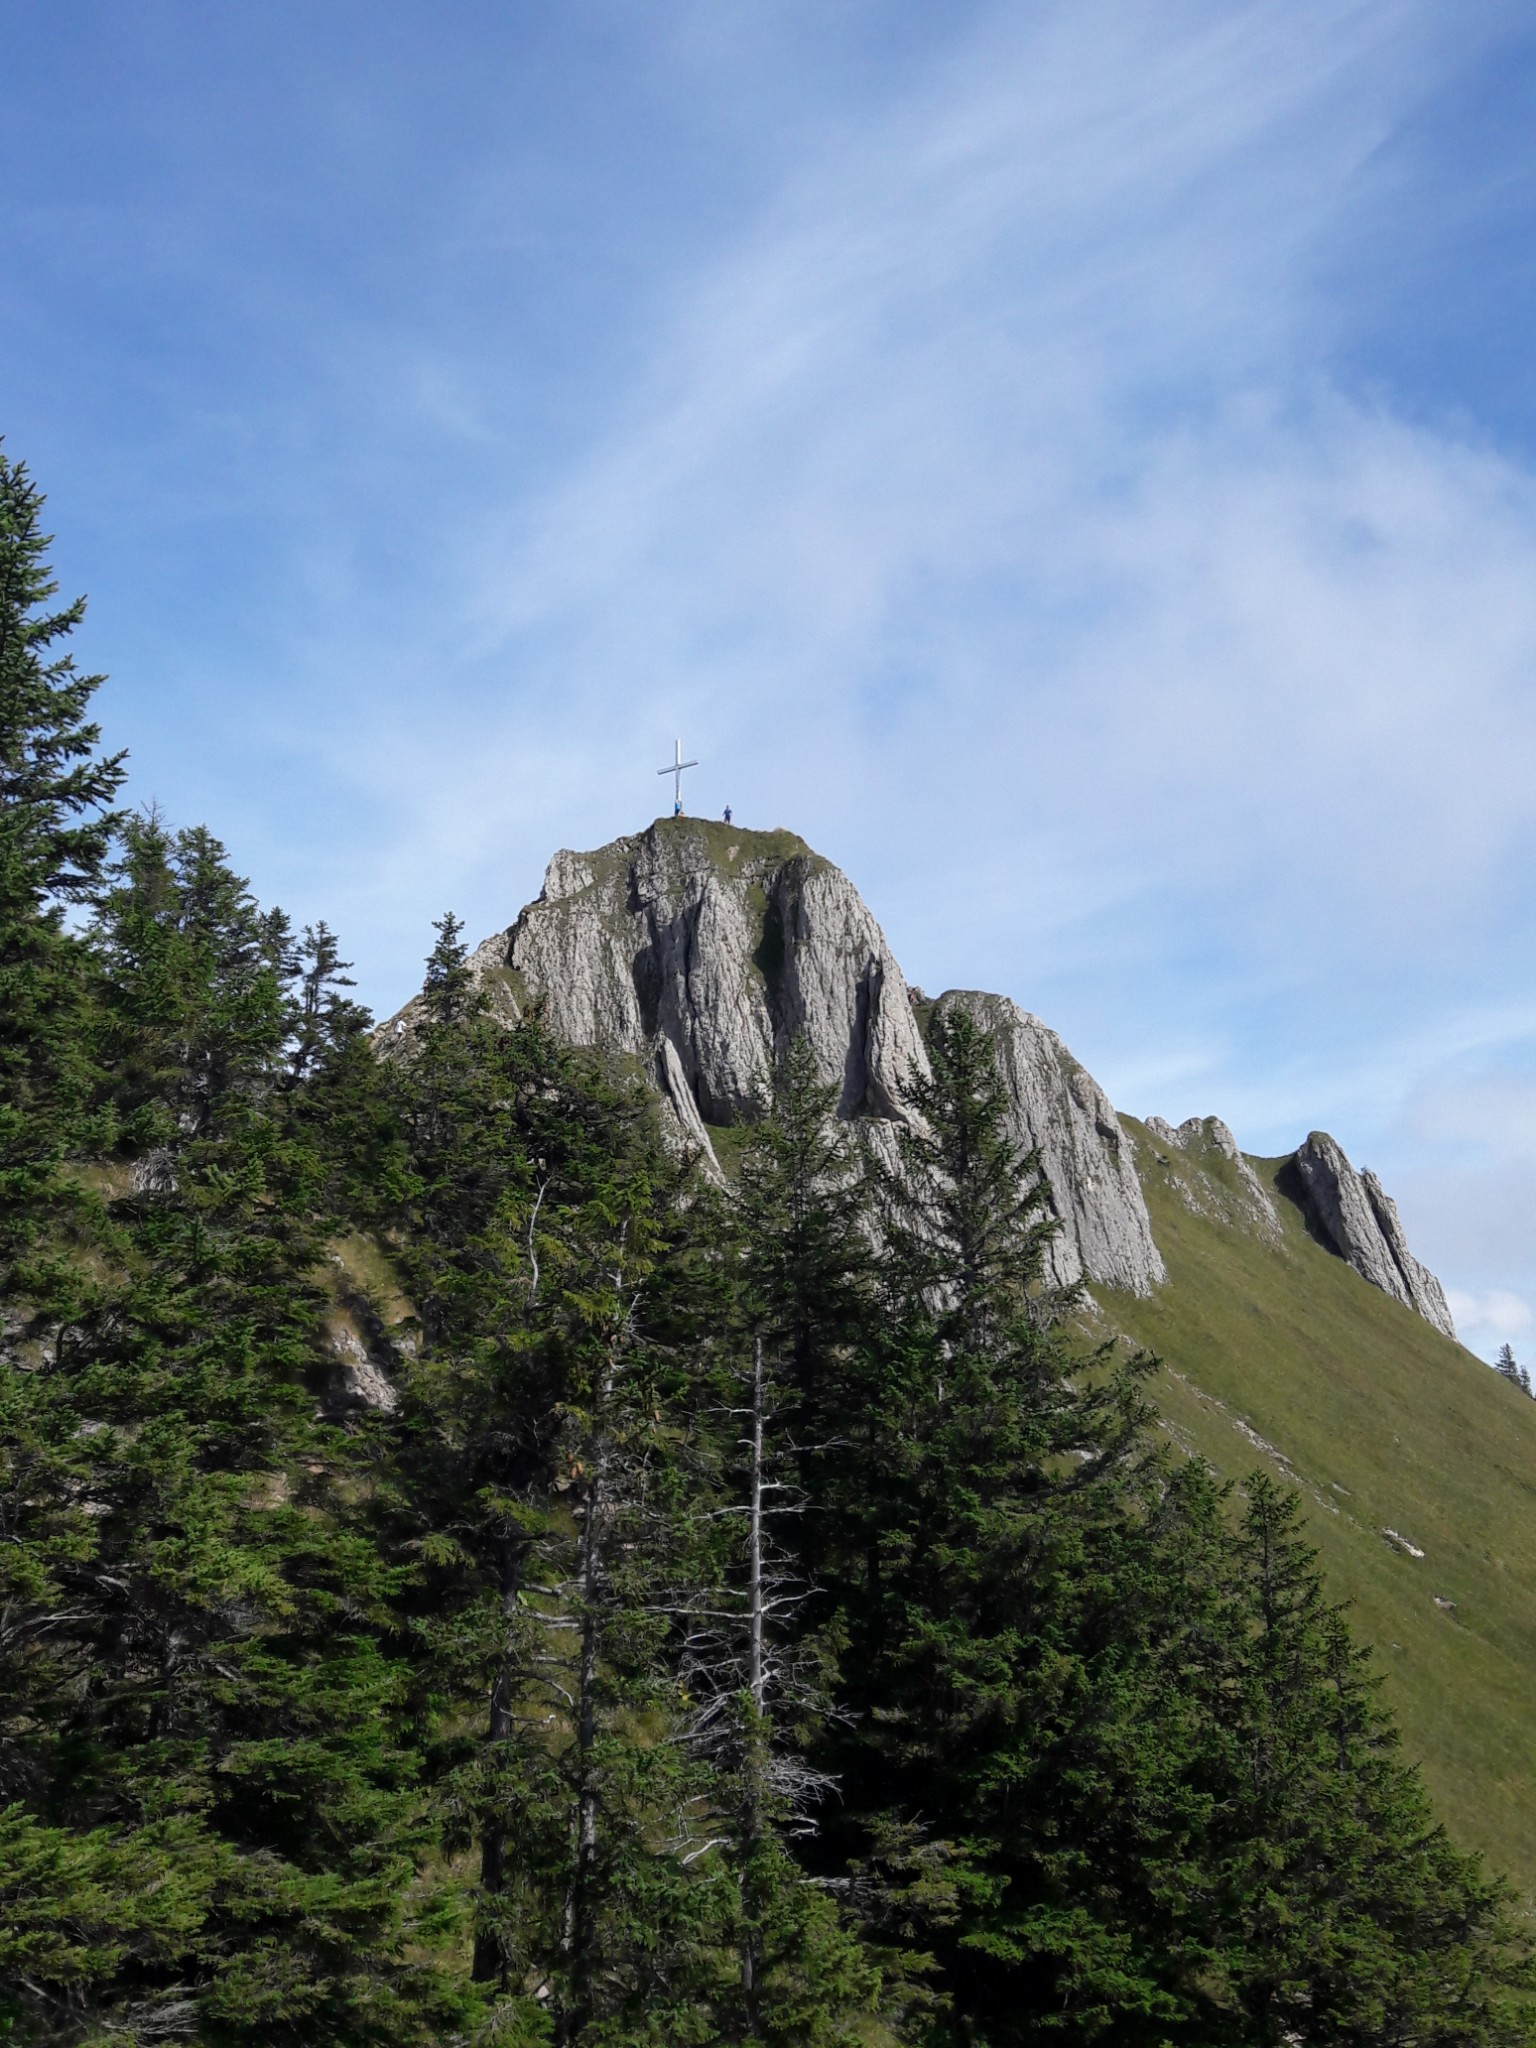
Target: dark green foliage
x=967, y=1218
x=564, y=1476
x=202, y=1725
x=54, y=829
x=1509, y=1368
x=742, y=1618
x=802, y=1204
x=1150, y=1768
x=997, y=1473
x=200, y=1004
x=1402, y=1939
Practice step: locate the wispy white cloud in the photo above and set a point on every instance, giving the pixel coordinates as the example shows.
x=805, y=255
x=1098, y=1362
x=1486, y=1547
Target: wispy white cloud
x=1485, y=1321
x=982, y=496
x=995, y=477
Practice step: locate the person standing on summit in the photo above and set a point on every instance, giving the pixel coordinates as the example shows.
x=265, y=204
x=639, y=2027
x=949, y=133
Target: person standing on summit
x=727, y=814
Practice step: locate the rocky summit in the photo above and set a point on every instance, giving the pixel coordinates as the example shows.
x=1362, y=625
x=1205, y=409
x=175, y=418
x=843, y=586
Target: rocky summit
x=699, y=950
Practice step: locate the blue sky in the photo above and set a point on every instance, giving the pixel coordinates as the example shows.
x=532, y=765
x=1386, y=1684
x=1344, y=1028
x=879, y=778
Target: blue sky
x=1074, y=462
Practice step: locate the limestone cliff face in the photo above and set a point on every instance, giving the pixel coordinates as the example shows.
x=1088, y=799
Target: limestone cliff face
x=1059, y=1108
x=700, y=950
x=1361, y=1221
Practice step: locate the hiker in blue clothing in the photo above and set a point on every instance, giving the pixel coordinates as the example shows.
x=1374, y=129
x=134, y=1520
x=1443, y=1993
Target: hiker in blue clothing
x=727, y=814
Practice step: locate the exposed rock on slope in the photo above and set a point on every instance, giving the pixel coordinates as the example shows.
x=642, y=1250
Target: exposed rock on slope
x=708, y=949
x=700, y=950
x=1088, y=1160
x=362, y=1381
x=1351, y=1211
x=1211, y=1177
x=1361, y=1221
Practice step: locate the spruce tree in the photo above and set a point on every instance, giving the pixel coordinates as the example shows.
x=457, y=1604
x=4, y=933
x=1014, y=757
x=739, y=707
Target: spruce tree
x=1341, y=1910
x=199, y=1699
x=796, y=1396
x=803, y=1204
x=760, y=1682
x=539, y=1484
x=1153, y=1779
x=55, y=791
x=200, y=1008
x=994, y=1464
x=1508, y=1367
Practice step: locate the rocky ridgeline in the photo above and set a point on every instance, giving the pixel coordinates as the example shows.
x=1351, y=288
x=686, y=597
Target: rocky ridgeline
x=1210, y=1175
x=699, y=950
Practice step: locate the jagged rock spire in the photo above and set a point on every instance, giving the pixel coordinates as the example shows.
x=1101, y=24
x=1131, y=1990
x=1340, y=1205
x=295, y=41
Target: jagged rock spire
x=1361, y=1221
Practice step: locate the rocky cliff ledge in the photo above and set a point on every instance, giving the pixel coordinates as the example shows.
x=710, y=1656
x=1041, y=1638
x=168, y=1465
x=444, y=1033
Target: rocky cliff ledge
x=1349, y=1211
x=1089, y=1161
x=1211, y=1176
x=700, y=950
x=1360, y=1220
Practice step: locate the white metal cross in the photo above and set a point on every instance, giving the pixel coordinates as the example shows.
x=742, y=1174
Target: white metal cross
x=675, y=768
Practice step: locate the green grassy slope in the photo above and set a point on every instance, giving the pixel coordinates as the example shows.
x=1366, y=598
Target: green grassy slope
x=1281, y=1355
x=729, y=843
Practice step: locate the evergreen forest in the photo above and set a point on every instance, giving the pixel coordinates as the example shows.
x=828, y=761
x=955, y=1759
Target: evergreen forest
x=748, y=1616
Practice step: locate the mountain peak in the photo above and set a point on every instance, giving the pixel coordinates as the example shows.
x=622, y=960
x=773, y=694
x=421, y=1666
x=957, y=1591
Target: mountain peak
x=706, y=947
x=699, y=950
x=677, y=846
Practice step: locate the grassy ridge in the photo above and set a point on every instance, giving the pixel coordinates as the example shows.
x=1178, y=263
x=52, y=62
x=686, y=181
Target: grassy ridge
x=1282, y=1356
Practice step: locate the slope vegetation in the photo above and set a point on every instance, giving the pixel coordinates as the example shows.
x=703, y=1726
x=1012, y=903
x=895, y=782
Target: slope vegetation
x=1417, y=1465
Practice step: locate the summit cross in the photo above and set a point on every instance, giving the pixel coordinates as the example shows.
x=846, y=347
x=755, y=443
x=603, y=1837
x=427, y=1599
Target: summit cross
x=675, y=768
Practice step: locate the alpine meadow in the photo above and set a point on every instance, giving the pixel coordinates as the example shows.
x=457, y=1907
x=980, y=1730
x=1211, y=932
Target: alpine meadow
x=516, y=1534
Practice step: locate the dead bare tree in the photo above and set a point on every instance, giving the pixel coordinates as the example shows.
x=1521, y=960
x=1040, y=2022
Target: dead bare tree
x=751, y=1677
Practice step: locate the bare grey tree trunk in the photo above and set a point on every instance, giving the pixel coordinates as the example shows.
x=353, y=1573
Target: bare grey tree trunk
x=578, y=1929
x=755, y=1680
x=578, y=1932
x=754, y=1760
x=487, y=1965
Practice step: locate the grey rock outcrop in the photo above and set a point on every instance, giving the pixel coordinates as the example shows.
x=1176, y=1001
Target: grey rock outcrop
x=678, y=1099
x=362, y=1379
x=1059, y=1109
x=1361, y=1221
x=700, y=950
x=1211, y=1177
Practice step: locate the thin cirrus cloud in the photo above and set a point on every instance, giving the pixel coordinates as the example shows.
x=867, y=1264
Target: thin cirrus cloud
x=986, y=465
x=998, y=481
x=1009, y=422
